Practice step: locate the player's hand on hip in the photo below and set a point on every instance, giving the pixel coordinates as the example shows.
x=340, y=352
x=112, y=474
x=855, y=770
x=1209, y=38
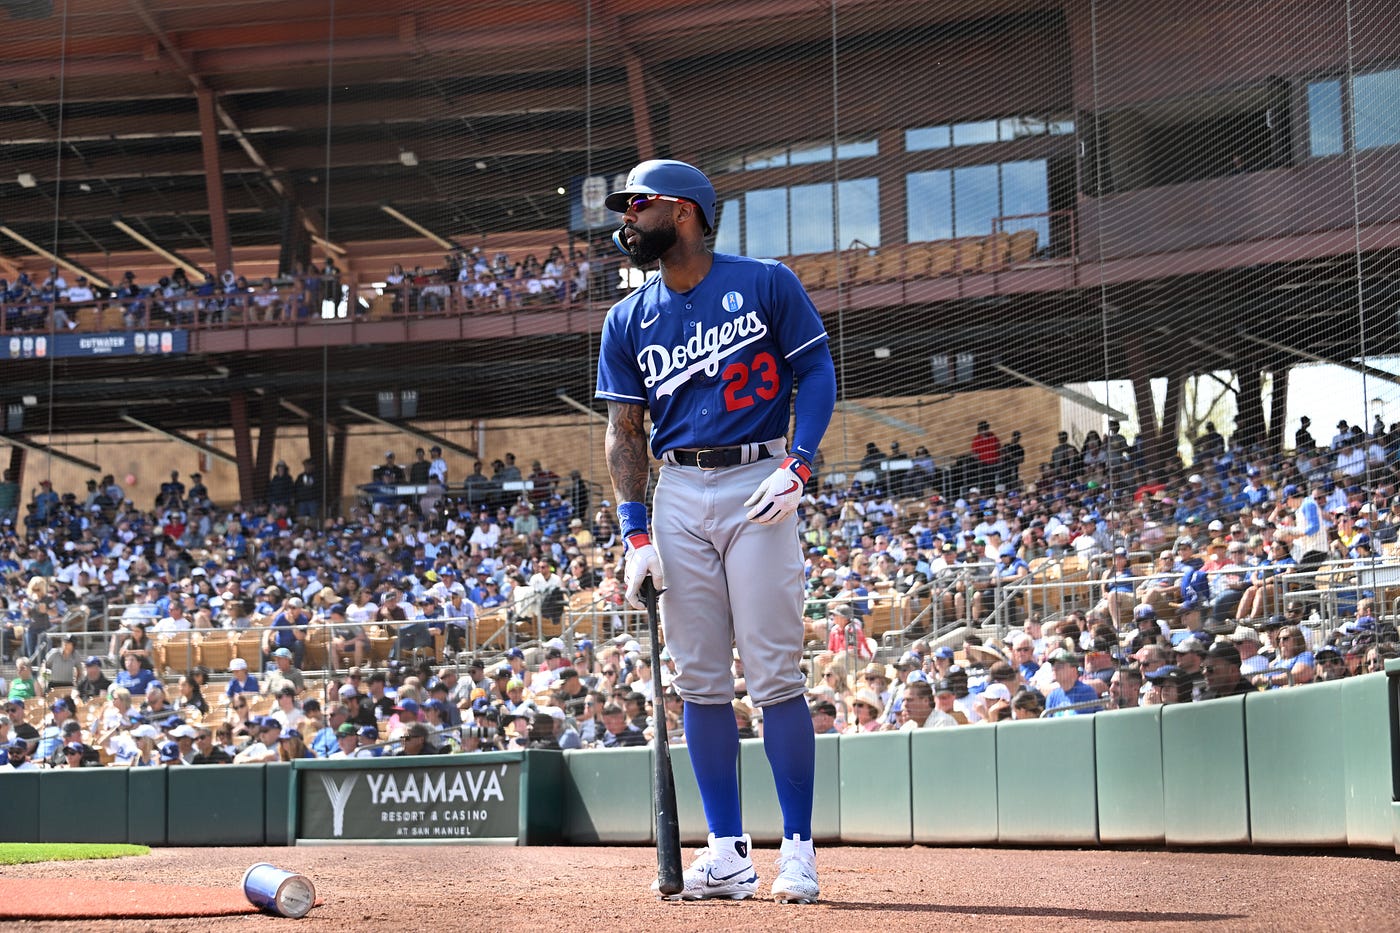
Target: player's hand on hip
x=777, y=497
x=641, y=562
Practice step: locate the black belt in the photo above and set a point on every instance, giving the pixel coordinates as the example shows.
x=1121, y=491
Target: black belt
x=712, y=458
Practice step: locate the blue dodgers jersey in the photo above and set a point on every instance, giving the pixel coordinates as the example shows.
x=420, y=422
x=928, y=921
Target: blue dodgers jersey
x=712, y=365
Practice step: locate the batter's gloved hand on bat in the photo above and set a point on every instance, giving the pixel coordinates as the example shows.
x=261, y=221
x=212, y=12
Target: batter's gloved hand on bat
x=641, y=562
x=777, y=496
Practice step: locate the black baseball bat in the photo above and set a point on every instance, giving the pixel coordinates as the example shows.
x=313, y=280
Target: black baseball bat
x=663, y=786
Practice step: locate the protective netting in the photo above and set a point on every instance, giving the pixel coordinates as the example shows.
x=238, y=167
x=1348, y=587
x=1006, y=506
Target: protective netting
x=1178, y=218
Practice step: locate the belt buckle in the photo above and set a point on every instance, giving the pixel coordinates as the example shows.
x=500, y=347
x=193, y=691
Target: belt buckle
x=700, y=457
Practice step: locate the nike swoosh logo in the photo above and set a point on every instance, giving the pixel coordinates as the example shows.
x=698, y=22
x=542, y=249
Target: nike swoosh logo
x=793, y=488
x=720, y=879
x=645, y=324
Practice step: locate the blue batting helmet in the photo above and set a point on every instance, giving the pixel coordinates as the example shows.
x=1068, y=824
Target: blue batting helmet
x=669, y=177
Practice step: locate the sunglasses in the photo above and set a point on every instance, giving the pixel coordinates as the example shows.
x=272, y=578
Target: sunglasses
x=639, y=201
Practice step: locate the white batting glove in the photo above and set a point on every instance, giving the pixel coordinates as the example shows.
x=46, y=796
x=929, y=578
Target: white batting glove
x=641, y=562
x=777, y=497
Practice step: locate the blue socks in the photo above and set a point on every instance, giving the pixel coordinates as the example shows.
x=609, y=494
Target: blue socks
x=791, y=746
x=712, y=736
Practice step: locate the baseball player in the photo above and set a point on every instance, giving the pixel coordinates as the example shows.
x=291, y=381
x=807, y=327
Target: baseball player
x=713, y=348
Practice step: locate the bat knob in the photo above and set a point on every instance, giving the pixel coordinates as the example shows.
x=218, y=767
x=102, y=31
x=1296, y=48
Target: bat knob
x=617, y=241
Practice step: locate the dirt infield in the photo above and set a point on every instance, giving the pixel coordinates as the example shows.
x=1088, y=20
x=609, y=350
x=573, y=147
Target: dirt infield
x=588, y=889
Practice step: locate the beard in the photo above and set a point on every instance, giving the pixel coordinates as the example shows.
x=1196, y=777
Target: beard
x=649, y=247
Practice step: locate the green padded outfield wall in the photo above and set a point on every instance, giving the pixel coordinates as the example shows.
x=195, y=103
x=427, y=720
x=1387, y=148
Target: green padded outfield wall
x=20, y=792
x=1046, y=791
x=875, y=792
x=1300, y=734
x=953, y=786
x=79, y=805
x=762, y=819
x=607, y=796
x=216, y=805
x=279, y=808
x=1128, y=771
x=146, y=790
x=1204, y=777
x=1365, y=724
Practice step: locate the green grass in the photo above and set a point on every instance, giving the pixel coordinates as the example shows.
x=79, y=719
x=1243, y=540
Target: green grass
x=14, y=853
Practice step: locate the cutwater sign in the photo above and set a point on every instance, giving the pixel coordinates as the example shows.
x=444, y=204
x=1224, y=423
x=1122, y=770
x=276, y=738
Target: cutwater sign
x=117, y=343
x=410, y=799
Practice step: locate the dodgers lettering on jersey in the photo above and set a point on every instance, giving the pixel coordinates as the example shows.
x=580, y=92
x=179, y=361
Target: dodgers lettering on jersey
x=713, y=364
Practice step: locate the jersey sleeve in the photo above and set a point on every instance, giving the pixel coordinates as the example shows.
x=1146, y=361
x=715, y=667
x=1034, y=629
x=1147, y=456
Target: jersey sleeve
x=797, y=323
x=619, y=378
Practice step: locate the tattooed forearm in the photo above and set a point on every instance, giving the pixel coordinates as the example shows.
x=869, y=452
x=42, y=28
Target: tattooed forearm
x=626, y=447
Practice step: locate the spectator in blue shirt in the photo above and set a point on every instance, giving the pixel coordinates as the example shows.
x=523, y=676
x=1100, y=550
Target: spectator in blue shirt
x=133, y=676
x=242, y=681
x=1069, y=689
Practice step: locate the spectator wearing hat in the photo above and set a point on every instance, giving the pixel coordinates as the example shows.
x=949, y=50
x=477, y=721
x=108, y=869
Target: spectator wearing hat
x=1222, y=672
x=1068, y=689
x=240, y=681
x=288, y=630
x=1167, y=686
x=1228, y=586
x=94, y=683
x=1246, y=641
x=347, y=742
x=169, y=754
x=1293, y=664
x=823, y=713
x=266, y=732
x=62, y=664
x=1189, y=658
x=1301, y=525
x=19, y=752
x=283, y=674
x=846, y=633
x=1330, y=662
x=946, y=711
x=867, y=710
x=137, y=748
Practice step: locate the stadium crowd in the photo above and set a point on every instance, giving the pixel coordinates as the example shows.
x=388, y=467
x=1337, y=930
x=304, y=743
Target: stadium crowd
x=1202, y=585
x=467, y=280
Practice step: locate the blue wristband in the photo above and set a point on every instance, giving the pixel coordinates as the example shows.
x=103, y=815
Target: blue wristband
x=633, y=517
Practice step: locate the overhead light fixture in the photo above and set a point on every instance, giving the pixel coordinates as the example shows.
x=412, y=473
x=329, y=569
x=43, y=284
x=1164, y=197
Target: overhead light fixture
x=85, y=187
x=480, y=165
x=559, y=190
x=408, y=157
x=882, y=353
x=27, y=180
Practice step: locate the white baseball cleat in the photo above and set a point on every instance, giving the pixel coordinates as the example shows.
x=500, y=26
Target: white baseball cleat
x=722, y=870
x=797, y=873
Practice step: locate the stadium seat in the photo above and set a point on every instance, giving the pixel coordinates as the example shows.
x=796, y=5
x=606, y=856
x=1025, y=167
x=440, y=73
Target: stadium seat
x=215, y=651
x=176, y=653
x=1022, y=246
x=942, y=259
x=969, y=252
x=996, y=250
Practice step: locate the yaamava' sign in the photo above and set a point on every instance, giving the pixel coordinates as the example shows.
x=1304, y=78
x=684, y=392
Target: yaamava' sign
x=431, y=801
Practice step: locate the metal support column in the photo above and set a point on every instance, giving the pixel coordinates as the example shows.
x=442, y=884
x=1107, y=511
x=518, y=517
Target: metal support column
x=242, y=446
